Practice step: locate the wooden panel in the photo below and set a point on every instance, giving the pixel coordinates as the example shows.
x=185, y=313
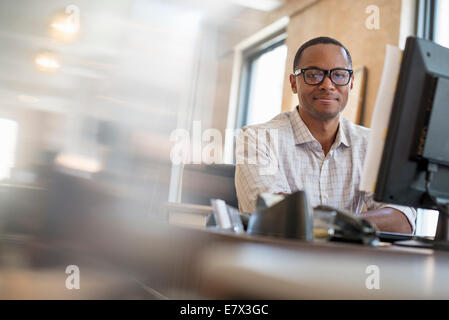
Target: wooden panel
x=354, y=108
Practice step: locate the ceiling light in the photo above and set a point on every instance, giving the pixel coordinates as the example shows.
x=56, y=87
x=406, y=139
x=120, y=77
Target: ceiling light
x=47, y=62
x=69, y=22
x=66, y=27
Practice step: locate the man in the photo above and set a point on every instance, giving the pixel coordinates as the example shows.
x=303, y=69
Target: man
x=312, y=147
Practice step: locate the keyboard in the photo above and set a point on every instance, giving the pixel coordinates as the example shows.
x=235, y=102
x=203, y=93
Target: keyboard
x=393, y=236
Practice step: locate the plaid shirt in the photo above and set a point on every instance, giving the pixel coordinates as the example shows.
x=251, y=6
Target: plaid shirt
x=282, y=156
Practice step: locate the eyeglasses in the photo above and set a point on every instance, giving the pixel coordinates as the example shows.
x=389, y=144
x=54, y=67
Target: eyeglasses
x=315, y=76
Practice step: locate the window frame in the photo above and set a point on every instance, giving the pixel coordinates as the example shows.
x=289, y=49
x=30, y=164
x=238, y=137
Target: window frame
x=426, y=19
x=232, y=130
x=249, y=56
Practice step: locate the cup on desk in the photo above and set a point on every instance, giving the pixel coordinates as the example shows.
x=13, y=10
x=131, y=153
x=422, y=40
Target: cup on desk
x=323, y=225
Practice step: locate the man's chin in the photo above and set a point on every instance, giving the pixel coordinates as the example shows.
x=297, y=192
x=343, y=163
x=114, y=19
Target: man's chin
x=326, y=115
x=322, y=114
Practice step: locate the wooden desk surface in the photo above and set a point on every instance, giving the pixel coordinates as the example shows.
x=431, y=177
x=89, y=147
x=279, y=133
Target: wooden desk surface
x=183, y=263
x=297, y=270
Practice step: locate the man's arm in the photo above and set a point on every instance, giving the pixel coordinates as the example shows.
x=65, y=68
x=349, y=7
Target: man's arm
x=389, y=218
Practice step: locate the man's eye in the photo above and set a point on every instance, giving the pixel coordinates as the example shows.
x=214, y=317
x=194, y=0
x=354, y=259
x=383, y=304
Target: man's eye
x=340, y=75
x=313, y=75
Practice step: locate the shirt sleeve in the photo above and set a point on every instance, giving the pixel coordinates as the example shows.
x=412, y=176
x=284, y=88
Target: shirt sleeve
x=409, y=212
x=257, y=167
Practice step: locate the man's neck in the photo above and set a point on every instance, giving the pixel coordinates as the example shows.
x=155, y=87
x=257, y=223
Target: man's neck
x=324, y=131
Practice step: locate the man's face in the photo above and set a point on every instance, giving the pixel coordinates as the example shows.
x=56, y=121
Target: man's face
x=326, y=100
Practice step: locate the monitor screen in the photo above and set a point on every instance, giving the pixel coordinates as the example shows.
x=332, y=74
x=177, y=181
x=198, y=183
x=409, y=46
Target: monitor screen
x=418, y=130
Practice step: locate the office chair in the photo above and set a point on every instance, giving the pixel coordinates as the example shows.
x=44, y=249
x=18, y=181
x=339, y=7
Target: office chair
x=200, y=183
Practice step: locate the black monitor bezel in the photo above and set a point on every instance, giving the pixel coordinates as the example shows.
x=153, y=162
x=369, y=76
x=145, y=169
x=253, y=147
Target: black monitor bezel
x=402, y=173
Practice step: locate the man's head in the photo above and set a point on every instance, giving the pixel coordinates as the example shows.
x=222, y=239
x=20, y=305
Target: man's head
x=319, y=96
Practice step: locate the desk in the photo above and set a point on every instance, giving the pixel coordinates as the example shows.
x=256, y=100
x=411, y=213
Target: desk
x=331, y=271
x=183, y=263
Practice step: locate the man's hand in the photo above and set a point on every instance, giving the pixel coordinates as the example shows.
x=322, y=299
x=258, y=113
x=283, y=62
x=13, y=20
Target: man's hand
x=389, y=220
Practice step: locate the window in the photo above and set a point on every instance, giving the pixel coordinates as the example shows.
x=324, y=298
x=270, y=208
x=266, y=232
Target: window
x=8, y=135
x=250, y=55
x=426, y=222
x=442, y=23
x=262, y=81
x=432, y=22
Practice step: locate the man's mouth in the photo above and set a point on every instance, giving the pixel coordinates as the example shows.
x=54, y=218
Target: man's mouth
x=325, y=99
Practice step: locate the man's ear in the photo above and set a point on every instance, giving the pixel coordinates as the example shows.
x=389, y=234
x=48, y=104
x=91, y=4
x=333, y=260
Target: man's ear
x=352, y=81
x=293, y=83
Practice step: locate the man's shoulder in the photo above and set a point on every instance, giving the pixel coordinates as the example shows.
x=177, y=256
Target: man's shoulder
x=355, y=132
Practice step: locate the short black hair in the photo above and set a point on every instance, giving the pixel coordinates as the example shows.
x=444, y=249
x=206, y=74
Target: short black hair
x=319, y=40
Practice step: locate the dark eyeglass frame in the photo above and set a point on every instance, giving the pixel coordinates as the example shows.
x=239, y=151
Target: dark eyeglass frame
x=326, y=72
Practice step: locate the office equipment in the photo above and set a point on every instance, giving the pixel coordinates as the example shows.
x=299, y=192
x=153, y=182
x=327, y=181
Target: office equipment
x=293, y=218
x=211, y=220
x=414, y=170
x=228, y=217
x=265, y=200
x=348, y=227
x=289, y=218
x=394, y=236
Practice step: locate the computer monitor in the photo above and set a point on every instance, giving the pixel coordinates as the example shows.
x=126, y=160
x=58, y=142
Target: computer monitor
x=414, y=169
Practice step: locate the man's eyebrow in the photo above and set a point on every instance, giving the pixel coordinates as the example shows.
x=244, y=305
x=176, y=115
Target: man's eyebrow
x=310, y=67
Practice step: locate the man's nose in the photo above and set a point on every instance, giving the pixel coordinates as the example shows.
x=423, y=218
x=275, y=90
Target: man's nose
x=327, y=83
